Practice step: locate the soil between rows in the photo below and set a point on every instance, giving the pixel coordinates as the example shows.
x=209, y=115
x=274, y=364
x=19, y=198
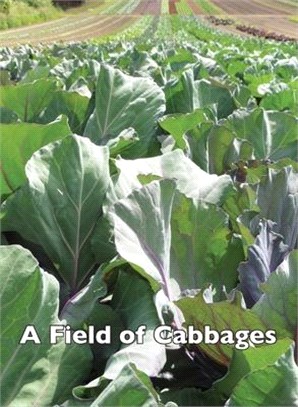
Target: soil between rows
x=194, y=7
x=85, y=25
x=249, y=7
x=269, y=16
x=74, y=28
x=151, y=7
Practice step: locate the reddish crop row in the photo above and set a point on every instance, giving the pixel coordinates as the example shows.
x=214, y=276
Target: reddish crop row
x=220, y=21
x=263, y=33
x=257, y=32
x=172, y=7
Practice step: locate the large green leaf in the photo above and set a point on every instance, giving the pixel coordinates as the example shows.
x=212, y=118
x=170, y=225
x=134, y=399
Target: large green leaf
x=190, y=179
x=201, y=247
x=102, y=240
x=245, y=135
x=256, y=79
x=60, y=204
x=287, y=68
x=32, y=373
x=215, y=148
x=203, y=250
x=272, y=134
x=258, y=169
x=274, y=385
x=133, y=301
x=78, y=308
x=124, y=101
x=132, y=305
x=278, y=306
x=76, y=69
x=277, y=197
x=264, y=256
x=30, y=99
x=131, y=388
x=71, y=104
x=196, y=140
x=178, y=58
x=244, y=362
x=121, y=145
x=7, y=115
x=189, y=94
x=284, y=100
x=103, y=315
x=178, y=124
x=148, y=247
x=18, y=142
x=242, y=199
x=37, y=72
x=137, y=63
x=220, y=316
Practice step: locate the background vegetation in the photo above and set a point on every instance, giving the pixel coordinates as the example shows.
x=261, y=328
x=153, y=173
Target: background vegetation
x=15, y=13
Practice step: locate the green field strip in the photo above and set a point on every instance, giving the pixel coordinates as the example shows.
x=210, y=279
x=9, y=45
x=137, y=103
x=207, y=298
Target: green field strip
x=164, y=7
x=134, y=32
x=67, y=24
x=293, y=19
x=209, y=8
x=183, y=8
x=119, y=7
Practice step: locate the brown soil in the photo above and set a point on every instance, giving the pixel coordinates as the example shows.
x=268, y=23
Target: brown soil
x=248, y=7
x=67, y=29
x=284, y=8
x=151, y=7
x=77, y=26
x=195, y=7
x=172, y=7
x=110, y=26
x=263, y=16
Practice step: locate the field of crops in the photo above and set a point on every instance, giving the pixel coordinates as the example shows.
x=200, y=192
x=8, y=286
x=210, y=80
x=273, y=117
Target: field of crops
x=271, y=19
x=149, y=214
